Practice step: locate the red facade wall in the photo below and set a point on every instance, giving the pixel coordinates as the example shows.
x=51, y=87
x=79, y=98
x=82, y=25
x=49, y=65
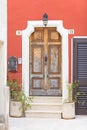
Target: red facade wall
x=72, y=12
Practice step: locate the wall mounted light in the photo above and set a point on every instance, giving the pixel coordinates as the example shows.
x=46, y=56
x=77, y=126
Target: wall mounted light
x=45, y=19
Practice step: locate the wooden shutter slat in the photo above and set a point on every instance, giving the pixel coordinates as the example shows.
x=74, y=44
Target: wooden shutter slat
x=82, y=60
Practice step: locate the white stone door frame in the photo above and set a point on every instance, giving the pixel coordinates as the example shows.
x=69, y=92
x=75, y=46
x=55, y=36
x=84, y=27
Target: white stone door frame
x=25, y=52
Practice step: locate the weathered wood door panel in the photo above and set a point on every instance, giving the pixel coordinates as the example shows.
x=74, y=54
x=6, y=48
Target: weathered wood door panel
x=80, y=73
x=45, y=62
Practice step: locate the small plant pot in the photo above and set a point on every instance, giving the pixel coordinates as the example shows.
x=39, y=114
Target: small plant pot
x=16, y=109
x=68, y=110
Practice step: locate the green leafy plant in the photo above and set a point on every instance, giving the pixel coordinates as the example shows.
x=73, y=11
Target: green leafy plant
x=25, y=100
x=17, y=94
x=72, y=92
x=15, y=89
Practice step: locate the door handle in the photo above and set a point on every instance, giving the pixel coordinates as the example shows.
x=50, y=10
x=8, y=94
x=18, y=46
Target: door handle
x=47, y=76
x=43, y=75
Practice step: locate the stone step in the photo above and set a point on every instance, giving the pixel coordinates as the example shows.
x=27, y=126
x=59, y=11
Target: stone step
x=46, y=106
x=45, y=99
x=43, y=114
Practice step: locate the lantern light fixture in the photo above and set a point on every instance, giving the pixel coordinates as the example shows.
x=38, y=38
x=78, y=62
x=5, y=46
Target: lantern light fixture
x=45, y=19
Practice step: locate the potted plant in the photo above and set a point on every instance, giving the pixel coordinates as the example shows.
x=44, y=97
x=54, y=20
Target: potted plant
x=69, y=103
x=19, y=102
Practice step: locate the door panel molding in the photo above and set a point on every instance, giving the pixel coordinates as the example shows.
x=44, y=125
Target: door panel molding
x=54, y=36
x=37, y=83
x=37, y=59
x=54, y=61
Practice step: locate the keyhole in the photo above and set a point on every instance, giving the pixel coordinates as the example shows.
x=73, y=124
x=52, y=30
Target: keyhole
x=45, y=58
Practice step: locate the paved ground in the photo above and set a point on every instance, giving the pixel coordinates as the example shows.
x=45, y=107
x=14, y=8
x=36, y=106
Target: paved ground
x=79, y=123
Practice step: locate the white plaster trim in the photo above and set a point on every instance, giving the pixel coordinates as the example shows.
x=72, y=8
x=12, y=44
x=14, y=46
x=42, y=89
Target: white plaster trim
x=3, y=61
x=3, y=42
x=25, y=52
x=3, y=64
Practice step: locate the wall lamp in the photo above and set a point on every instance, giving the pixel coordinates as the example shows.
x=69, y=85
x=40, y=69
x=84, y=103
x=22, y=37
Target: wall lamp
x=45, y=19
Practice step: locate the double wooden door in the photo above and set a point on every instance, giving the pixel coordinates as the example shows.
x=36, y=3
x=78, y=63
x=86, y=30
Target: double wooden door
x=45, y=62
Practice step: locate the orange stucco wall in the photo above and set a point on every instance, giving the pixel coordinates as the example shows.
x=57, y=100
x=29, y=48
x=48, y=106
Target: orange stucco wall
x=72, y=12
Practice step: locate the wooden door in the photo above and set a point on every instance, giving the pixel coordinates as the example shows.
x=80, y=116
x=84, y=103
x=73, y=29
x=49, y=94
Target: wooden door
x=80, y=73
x=45, y=62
